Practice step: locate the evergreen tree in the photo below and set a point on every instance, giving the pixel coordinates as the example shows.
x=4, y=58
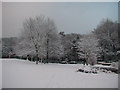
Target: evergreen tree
x=74, y=55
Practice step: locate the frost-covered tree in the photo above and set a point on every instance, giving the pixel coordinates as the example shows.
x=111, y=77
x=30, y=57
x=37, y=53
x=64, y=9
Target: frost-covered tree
x=108, y=34
x=8, y=46
x=23, y=48
x=88, y=47
x=41, y=37
x=52, y=41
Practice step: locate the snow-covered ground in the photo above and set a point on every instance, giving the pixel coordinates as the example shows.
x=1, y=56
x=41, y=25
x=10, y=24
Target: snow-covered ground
x=26, y=74
x=0, y=74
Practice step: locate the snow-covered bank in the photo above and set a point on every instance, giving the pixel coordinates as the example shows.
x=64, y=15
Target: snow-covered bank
x=25, y=74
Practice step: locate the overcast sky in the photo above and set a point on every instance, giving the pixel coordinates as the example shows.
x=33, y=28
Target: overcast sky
x=0, y=19
x=70, y=17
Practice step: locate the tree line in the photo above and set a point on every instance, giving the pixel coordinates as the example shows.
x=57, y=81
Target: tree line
x=40, y=38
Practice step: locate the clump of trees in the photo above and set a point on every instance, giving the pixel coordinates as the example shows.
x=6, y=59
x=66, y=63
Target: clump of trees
x=41, y=36
x=40, y=41
x=108, y=35
x=7, y=47
x=70, y=46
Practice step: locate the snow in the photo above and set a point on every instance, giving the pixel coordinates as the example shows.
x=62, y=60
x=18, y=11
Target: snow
x=0, y=74
x=26, y=74
x=102, y=66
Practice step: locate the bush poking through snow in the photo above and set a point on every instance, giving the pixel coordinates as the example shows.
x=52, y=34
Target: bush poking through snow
x=106, y=69
x=87, y=69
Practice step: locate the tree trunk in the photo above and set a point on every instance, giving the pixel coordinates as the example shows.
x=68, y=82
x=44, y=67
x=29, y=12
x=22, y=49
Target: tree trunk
x=37, y=59
x=119, y=33
x=47, y=53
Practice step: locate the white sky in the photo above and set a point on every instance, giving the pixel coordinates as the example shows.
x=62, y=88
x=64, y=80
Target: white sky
x=74, y=17
x=0, y=19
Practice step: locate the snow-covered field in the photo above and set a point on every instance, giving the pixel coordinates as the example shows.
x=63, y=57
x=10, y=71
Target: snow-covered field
x=0, y=74
x=26, y=74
